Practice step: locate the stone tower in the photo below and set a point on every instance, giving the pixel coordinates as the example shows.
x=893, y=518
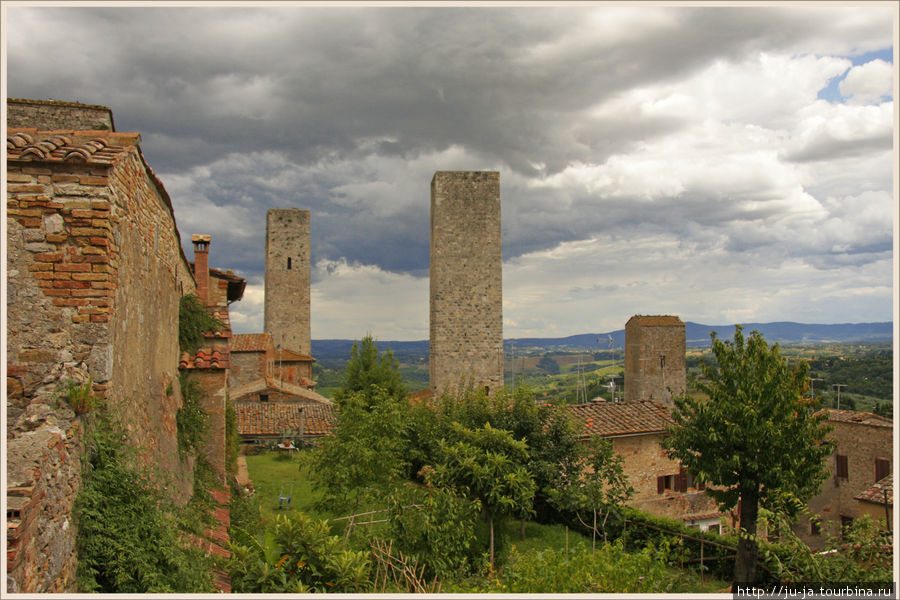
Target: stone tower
x=287, y=279
x=654, y=359
x=466, y=281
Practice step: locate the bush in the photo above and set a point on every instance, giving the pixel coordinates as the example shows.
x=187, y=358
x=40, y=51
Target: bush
x=191, y=419
x=193, y=322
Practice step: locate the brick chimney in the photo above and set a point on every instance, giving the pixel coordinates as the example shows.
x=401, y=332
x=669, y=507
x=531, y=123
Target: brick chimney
x=201, y=265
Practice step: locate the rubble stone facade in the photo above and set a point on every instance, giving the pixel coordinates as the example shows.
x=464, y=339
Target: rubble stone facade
x=287, y=310
x=655, y=366
x=466, y=323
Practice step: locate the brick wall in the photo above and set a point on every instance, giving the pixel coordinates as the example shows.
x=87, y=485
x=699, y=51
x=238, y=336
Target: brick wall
x=287, y=309
x=94, y=274
x=466, y=323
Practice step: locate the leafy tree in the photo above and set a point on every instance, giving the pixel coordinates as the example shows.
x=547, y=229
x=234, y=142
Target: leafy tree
x=366, y=456
x=599, y=483
x=753, y=438
x=193, y=322
x=367, y=368
x=486, y=464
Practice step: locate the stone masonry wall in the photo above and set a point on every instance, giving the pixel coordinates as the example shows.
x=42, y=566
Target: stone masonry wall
x=94, y=273
x=466, y=281
x=49, y=114
x=655, y=366
x=862, y=445
x=287, y=310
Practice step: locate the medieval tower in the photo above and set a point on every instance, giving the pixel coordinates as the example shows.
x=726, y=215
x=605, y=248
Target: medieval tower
x=466, y=281
x=287, y=279
x=654, y=358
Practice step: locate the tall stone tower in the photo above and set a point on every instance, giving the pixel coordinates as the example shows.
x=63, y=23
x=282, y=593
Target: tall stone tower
x=287, y=279
x=654, y=359
x=466, y=281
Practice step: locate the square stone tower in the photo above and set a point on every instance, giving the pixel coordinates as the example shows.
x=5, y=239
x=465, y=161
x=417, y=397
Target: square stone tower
x=287, y=279
x=466, y=281
x=654, y=359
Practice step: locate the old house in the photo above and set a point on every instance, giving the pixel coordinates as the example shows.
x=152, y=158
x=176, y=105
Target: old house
x=267, y=422
x=661, y=486
x=877, y=501
x=254, y=357
x=863, y=457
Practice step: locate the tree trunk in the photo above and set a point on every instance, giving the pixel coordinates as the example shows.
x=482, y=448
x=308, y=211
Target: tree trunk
x=747, y=550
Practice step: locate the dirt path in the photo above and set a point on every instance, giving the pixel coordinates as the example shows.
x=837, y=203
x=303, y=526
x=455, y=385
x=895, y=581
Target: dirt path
x=243, y=476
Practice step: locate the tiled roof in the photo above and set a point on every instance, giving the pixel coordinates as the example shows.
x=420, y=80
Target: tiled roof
x=271, y=383
x=861, y=418
x=621, y=418
x=93, y=147
x=205, y=358
x=250, y=342
x=219, y=313
x=289, y=356
x=875, y=494
x=656, y=320
x=271, y=418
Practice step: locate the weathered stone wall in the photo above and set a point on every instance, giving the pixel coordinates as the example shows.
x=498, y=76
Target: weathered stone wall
x=287, y=309
x=50, y=115
x=247, y=367
x=655, y=366
x=94, y=273
x=213, y=382
x=466, y=281
x=43, y=478
x=862, y=445
x=645, y=460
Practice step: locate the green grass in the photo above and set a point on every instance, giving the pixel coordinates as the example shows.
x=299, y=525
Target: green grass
x=270, y=474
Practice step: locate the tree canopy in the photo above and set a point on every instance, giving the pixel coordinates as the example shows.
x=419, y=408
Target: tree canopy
x=751, y=435
x=367, y=368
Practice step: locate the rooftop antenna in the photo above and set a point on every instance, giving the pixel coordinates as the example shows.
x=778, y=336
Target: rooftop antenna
x=838, y=387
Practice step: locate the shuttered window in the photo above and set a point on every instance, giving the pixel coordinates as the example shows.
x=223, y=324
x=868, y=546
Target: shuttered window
x=840, y=466
x=882, y=468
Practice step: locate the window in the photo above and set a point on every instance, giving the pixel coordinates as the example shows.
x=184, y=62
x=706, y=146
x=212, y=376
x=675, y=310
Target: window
x=841, y=469
x=713, y=528
x=662, y=361
x=676, y=483
x=263, y=397
x=882, y=468
x=815, y=528
x=289, y=263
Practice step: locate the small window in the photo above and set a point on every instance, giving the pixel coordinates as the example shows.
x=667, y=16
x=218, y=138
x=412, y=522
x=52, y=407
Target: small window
x=666, y=482
x=662, y=361
x=815, y=528
x=289, y=263
x=882, y=468
x=713, y=528
x=263, y=397
x=841, y=469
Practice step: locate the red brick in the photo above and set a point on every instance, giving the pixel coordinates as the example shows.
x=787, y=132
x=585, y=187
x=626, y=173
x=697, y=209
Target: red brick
x=26, y=188
x=56, y=238
x=48, y=257
x=69, y=301
x=87, y=231
x=103, y=285
x=101, y=223
x=73, y=267
x=72, y=285
x=98, y=241
x=89, y=276
x=31, y=222
x=25, y=212
x=99, y=318
x=58, y=294
x=82, y=213
x=38, y=267
x=37, y=170
x=18, y=178
x=64, y=178
x=100, y=205
x=48, y=275
x=93, y=180
x=81, y=318
x=86, y=293
x=98, y=268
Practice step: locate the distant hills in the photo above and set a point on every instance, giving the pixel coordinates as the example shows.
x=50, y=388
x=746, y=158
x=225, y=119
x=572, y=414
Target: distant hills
x=697, y=335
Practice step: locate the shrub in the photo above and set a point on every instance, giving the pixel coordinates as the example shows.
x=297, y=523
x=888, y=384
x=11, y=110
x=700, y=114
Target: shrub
x=80, y=397
x=191, y=419
x=193, y=322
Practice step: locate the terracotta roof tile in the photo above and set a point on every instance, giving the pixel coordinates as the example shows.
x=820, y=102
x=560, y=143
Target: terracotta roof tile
x=273, y=384
x=290, y=356
x=205, y=358
x=875, y=494
x=621, y=418
x=67, y=146
x=861, y=418
x=271, y=418
x=250, y=342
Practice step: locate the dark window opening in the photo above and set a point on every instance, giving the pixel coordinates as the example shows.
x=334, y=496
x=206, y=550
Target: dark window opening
x=815, y=528
x=713, y=528
x=289, y=263
x=263, y=397
x=662, y=361
x=882, y=468
x=841, y=469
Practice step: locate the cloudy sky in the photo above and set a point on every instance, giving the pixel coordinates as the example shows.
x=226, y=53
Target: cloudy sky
x=727, y=165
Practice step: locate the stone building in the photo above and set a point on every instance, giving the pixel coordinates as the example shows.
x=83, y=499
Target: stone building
x=877, y=501
x=253, y=356
x=269, y=422
x=287, y=309
x=655, y=358
x=466, y=323
x=95, y=271
x=661, y=485
x=862, y=457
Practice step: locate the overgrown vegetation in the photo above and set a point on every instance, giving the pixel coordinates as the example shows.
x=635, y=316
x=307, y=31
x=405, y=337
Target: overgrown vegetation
x=80, y=396
x=193, y=322
x=191, y=419
x=128, y=537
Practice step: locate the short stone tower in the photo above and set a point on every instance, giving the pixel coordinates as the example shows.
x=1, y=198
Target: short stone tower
x=466, y=281
x=287, y=279
x=654, y=359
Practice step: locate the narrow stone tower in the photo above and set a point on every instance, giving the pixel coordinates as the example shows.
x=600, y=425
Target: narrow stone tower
x=654, y=359
x=466, y=281
x=287, y=279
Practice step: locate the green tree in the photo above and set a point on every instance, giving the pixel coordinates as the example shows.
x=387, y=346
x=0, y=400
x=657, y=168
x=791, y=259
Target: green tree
x=486, y=464
x=367, y=368
x=599, y=483
x=753, y=437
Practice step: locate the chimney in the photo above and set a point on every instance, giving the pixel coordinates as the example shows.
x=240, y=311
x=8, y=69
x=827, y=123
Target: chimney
x=201, y=266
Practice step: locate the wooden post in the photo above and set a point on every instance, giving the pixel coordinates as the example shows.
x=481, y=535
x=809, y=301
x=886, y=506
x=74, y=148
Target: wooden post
x=701, y=561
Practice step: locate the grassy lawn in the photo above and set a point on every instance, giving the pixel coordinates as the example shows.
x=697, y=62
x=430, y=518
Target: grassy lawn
x=271, y=474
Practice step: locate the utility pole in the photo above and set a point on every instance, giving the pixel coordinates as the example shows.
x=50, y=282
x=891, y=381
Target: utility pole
x=838, y=387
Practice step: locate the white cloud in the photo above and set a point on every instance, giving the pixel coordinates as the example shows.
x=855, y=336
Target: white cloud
x=869, y=83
